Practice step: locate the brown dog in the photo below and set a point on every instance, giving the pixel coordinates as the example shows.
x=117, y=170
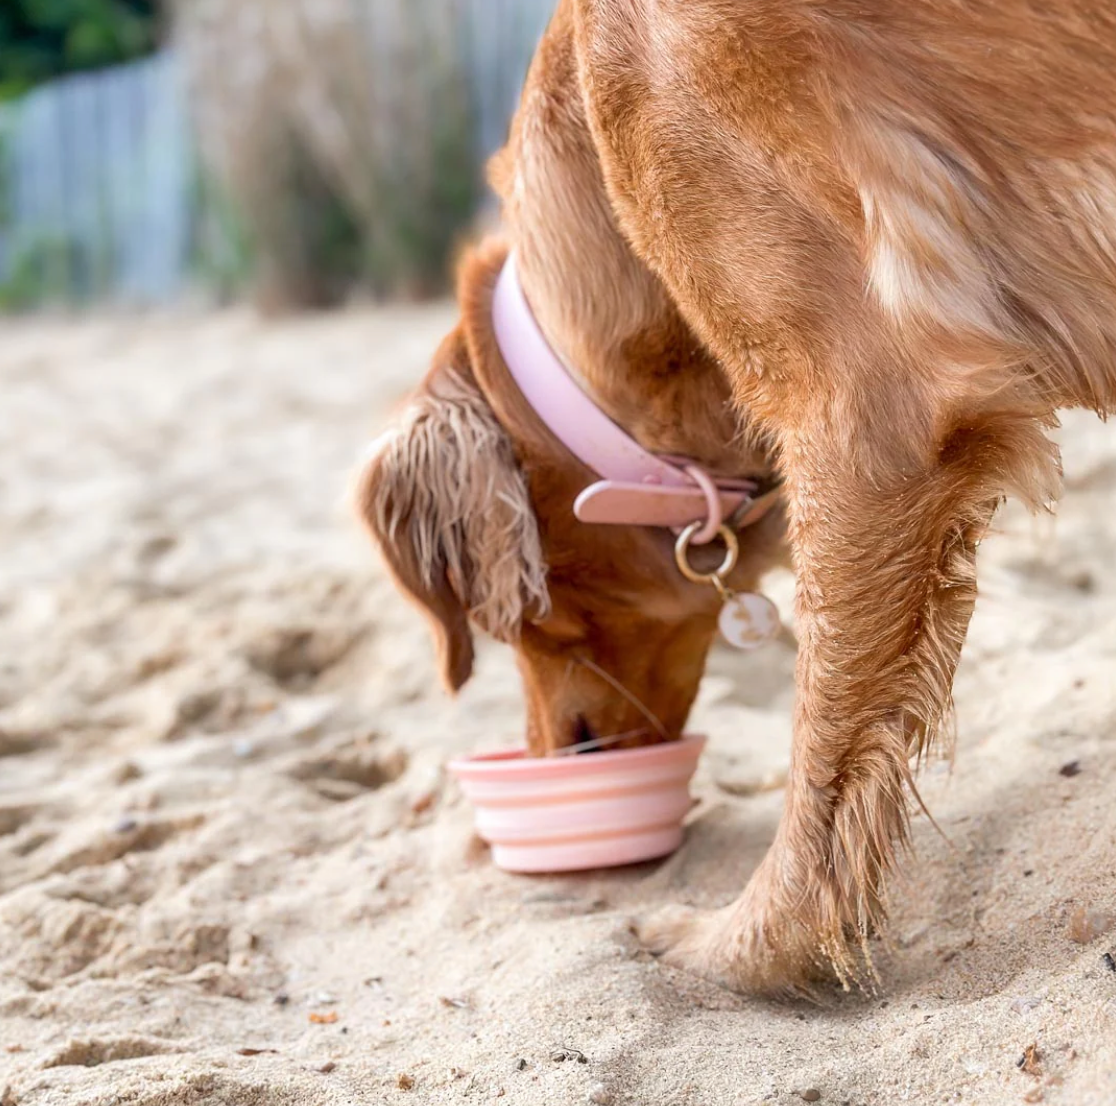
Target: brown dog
x=470, y=496
x=894, y=228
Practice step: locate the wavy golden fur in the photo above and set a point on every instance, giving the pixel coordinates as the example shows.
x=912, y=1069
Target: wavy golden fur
x=885, y=234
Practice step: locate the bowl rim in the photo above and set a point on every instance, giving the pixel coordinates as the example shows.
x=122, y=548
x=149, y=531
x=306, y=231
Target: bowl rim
x=514, y=762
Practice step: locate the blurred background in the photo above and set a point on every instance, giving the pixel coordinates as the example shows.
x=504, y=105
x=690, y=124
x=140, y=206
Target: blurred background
x=293, y=152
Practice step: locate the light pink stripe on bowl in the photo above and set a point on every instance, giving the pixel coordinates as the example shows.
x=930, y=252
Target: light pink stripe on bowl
x=593, y=810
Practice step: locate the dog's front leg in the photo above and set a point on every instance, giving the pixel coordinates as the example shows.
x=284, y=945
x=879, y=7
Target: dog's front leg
x=884, y=550
x=840, y=284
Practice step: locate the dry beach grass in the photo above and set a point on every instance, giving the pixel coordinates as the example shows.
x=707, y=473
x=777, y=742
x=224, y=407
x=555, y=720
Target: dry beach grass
x=232, y=869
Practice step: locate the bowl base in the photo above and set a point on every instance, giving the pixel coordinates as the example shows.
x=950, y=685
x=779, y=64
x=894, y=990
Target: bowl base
x=578, y=856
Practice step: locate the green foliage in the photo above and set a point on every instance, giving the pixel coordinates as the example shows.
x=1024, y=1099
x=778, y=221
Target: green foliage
x=40, y=271
x=221, y=253
x=423, y=214
x=41, y=39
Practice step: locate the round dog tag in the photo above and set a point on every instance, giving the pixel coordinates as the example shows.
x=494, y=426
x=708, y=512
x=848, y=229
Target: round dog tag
x=748, y=621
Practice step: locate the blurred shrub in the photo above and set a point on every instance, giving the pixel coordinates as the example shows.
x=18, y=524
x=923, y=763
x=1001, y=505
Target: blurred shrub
x=340, y=134
x=40, y=270
x=40, y=39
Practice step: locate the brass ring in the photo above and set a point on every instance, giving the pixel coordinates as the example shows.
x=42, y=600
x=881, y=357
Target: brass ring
x=682, y=550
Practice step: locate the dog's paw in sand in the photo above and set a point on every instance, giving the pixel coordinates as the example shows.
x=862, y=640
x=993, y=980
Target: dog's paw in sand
x=692, y=940
x=722, y=946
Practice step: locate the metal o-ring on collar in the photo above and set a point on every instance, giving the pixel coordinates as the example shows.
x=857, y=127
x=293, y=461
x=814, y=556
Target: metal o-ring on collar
x=682, y=558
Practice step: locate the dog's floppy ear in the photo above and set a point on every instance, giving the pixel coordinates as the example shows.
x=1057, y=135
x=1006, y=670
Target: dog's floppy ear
x=445, y=500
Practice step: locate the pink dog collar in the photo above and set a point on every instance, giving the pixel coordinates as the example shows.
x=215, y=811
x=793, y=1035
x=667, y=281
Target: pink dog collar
x=637, y=488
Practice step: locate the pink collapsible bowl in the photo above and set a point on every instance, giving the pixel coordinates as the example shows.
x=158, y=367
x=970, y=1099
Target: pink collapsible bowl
x=592, y=810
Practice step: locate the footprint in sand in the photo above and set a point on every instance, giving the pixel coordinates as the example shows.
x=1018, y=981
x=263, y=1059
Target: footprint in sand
x=107, y=1050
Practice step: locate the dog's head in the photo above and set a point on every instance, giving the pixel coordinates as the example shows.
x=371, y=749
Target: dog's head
x=470, y=499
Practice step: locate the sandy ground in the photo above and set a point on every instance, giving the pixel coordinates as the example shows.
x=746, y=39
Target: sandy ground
x=232, y=869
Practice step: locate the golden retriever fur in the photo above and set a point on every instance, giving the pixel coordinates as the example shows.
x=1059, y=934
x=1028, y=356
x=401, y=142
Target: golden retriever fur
x=892, y=229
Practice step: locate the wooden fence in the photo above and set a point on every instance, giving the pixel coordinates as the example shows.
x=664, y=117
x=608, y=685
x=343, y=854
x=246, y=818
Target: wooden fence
x=95, y=187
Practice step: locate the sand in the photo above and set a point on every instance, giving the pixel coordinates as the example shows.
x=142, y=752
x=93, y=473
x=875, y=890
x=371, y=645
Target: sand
x=232, y=868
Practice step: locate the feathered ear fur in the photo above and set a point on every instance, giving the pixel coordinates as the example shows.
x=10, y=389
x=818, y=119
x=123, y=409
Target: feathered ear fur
x=445, y=500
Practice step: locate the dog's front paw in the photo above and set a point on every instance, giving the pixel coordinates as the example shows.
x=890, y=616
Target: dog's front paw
x=691, y=940
x=723, y=946
x=666, y=928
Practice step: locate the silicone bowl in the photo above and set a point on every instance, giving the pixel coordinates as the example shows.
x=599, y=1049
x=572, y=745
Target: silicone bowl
x=592, y=810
